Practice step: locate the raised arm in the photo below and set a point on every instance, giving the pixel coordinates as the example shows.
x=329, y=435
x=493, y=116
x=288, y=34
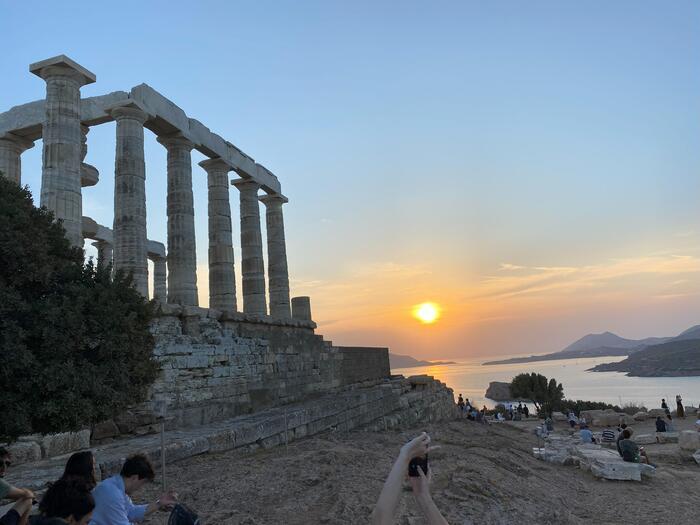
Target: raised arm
x=383, y=513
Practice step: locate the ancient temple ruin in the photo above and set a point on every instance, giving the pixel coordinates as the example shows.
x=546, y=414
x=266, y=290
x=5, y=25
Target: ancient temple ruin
x=63, y=119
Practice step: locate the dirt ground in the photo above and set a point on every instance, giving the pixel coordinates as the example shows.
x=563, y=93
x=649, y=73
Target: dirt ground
x=482, y=475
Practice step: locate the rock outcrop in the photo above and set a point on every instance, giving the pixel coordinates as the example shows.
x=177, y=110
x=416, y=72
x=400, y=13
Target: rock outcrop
x=498, y=391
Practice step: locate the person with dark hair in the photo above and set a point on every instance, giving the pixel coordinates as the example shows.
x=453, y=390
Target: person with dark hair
x=113, y=505
x=630, y=451
x=19, y=512
x=680, y=410
x=664, y=406
x=68, y=501
x=81, y=466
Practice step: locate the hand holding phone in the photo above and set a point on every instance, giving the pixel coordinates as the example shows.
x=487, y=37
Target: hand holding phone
x=415, y=463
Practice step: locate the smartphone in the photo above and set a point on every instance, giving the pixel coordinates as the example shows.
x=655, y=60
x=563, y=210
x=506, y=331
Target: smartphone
x=418, y=462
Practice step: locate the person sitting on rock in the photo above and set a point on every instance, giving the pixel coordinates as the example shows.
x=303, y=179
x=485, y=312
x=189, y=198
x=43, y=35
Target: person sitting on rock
x=665, y=406
x=113, y=504
x=620, y=437
x=660, y=424
x=384, y=510
x=572, y=419
x=608, y=435
x=19, y=512
x=460, y=403
x=67, y=501
x=630, y=451
x=586, y=435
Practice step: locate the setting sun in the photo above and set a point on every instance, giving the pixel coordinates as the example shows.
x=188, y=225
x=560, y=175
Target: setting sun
x=427, y=312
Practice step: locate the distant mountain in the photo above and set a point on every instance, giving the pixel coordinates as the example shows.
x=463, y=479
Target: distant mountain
x=406, y=361
x=605, y=344
x=610, y=340
x=680, y=357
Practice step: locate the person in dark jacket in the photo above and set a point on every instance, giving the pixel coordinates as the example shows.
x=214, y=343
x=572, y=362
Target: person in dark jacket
x=660, y=424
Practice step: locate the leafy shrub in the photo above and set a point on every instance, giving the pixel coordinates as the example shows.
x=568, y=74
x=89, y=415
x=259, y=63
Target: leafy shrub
x=75, y=343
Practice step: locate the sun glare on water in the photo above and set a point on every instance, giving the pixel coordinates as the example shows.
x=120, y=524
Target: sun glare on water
x=426, y=313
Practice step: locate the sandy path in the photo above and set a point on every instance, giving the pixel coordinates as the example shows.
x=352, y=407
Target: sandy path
x=481, y=475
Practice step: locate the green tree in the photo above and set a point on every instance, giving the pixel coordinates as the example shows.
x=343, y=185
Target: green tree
x=545, y=394
x=74, y=342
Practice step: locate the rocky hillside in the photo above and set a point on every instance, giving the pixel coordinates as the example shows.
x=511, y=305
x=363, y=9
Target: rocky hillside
x=676, y=358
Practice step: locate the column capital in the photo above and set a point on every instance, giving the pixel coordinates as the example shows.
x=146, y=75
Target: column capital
x=176, y=140
x=273, y=199
x=19, y=143
x=217, y=164
x=245, y=184
x=127, y=109
x=61, y=65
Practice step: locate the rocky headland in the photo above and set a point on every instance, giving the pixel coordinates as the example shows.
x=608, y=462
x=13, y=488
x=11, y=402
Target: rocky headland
x=673, y=359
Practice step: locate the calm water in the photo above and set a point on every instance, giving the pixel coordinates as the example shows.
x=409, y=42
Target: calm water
x=471, y=379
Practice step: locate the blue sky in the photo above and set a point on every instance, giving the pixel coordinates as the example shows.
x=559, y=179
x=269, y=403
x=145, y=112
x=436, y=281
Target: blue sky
x=427, y=150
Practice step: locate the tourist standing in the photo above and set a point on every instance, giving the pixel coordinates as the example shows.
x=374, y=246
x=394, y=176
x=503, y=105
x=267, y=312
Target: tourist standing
x=23, y=497
x=526, y=412
x=680, y=410
x=665, y=406
x=113, y=504
x=460, y=404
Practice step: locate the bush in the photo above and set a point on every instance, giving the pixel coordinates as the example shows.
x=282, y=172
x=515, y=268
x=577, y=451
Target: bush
x=544, y=393
x=76, y=346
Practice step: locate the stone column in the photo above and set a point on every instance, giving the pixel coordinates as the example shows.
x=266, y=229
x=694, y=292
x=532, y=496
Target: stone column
x=130, y=241
x=160, y=288
x=60, y=174
x=104, y=252
x=277, y=273
x=11, y=148
x=252, y=264
x=301, y=308
x=222, y=281
x=182, y=255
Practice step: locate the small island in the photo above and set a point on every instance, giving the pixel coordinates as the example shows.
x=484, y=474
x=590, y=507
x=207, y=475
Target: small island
x=406, y=361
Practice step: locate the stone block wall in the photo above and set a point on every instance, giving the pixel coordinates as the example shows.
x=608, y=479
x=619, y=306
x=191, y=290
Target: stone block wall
x=217, y=366
x=358, y=364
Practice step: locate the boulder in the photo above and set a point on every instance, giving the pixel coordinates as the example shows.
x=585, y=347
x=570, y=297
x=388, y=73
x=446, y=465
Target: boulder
x=621, y=470
x=559, y=416
x=655, y=412
x=667, y=437
x=590, y=415
x=691, y=411
x=640, y=416
x=106, y=429
x=689, y=440
x=644, y=439
x=498, y=391
x=64, y=443
x=24, y=452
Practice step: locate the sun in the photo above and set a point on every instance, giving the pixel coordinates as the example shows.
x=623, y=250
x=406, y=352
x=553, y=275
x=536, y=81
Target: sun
x=426, y=313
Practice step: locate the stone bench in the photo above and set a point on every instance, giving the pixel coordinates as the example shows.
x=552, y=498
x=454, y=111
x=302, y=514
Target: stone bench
x=608, y=464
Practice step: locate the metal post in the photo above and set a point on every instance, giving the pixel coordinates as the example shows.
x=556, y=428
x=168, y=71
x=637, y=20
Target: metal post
x=162, y=451
x=286, y=437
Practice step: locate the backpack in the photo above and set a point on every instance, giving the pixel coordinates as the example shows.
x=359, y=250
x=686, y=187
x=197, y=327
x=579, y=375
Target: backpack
x=183, y=515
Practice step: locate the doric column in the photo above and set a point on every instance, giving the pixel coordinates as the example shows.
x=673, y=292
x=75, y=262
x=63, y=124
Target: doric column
x=60, y=174
x=11, y=148
x=252, y=264
x=104, y=253
x=130, y=241
x=301, y=308
x=182, y=255
x=160, y=288
x=277, y=273
x=222, y=281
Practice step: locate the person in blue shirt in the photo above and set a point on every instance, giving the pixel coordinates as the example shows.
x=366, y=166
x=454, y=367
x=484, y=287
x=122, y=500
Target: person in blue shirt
x=113, y=505
x=586, y=435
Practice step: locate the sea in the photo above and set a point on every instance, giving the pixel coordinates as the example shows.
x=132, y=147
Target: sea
x=471, y=379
